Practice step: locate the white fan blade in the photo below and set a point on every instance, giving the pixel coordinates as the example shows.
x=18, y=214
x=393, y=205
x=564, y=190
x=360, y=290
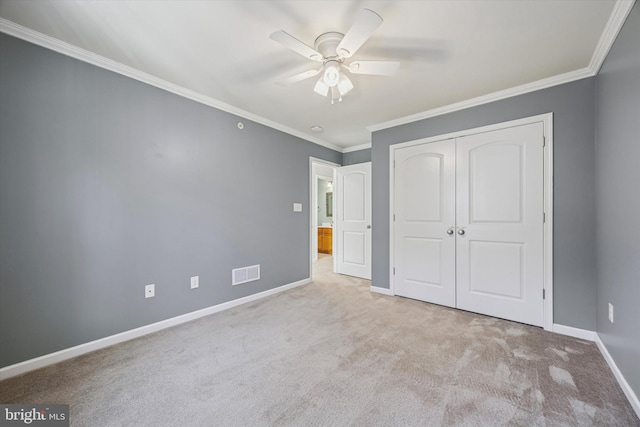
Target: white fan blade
x=299, y=77
x=376, y=68
x=366, y=23
x=288, y=41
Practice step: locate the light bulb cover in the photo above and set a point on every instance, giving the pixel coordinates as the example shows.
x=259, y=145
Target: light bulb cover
x=321, y=88
x=331, y=73
x=345, y=85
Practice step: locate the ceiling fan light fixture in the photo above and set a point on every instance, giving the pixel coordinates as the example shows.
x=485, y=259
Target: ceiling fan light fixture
x=331, y=74
x=321, y=88
x=331, y=49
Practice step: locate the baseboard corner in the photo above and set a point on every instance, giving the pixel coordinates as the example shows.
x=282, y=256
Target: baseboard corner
x=570, y=331
x=624, y=385
x=379, y=290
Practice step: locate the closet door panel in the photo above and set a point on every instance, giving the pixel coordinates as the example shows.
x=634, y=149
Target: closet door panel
x=424, y=206
x=499, y=220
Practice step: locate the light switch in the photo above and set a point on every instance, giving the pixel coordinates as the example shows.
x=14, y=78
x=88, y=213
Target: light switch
x=297, y=207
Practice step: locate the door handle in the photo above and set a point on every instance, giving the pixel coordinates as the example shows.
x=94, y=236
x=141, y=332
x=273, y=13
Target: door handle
x=368, y=227
x=450, y=231
x=461, y=232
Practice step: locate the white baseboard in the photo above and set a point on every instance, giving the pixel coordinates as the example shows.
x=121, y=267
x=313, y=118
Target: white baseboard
x=68, y=353
x=593, y=336
x=626, y=388
x=584, y=334
x=383, y=291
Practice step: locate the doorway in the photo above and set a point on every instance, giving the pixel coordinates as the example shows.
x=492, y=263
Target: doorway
x=321, y=183
x=340, y=217
x=324, y=214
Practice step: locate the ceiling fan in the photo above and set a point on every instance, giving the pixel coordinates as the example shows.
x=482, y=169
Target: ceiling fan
x=332, y=49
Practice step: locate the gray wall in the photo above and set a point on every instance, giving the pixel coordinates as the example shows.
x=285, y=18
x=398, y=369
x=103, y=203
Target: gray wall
x=574, y=206
x=618, y=199
x=356, y=157
x=108, y=184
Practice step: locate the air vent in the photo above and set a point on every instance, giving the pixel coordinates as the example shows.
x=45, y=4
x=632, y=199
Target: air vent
x=245, y=274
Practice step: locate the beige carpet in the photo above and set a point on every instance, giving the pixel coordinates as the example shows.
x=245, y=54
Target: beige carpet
x=331, y=353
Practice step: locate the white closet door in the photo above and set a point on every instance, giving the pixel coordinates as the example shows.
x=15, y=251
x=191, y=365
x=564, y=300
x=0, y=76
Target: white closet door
x=425, y=209
x=499, y=221
x=353, y=220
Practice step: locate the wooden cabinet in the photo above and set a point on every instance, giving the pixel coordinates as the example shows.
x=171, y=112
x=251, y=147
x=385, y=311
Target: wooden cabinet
x=325, y=240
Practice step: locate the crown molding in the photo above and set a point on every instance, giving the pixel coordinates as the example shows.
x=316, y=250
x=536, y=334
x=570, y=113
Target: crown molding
x=357, y=148
x=620, y=11
x=48, y=42
x=618, y=15
x=485, y=99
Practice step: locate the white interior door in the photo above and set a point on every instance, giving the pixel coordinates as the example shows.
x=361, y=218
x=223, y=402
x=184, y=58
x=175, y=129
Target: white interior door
x=487, y=190
x=500, y=223
x=352, y=220
x=424, y=213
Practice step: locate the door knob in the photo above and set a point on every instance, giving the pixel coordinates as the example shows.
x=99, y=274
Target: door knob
x=368, y=227
x=461, y=232
x=450, y=231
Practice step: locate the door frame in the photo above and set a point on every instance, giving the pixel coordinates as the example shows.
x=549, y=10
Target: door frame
x=313, y=201
x=547, y=121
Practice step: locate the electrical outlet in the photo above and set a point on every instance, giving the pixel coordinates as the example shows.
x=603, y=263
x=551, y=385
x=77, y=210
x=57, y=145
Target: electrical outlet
x=150, y=291
x=195, y=282
x=610, y=312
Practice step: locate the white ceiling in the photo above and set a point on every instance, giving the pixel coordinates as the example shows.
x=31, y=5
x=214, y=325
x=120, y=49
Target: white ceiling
x=220, y=51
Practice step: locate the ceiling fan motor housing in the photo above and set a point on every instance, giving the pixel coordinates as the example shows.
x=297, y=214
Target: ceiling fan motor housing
x=327, y=44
